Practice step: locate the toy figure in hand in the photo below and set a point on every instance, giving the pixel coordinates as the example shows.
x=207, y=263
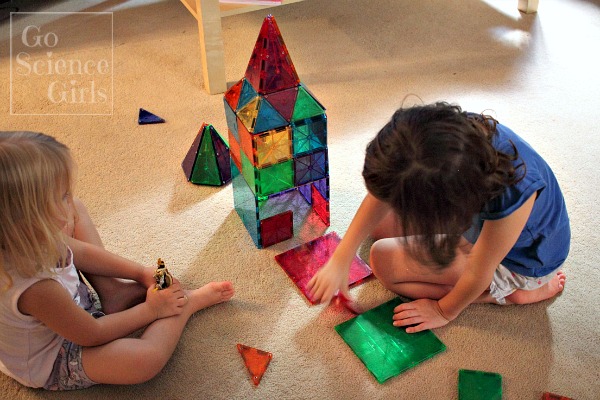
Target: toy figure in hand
x=164, y=279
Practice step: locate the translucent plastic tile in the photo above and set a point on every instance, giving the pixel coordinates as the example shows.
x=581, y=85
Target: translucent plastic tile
x=275, y=178
x=232, y=96
x=268, y=118
x=310, y=135
x=192, y=154
x=256, y=361
x=248, y=172
x=245, y=204
x=206, y=170
x=302, y=262
x=270, y=68
x=146, y=117
x=306, y=192
x=273, y=147
x=234, y=150
x=277, y=228
x=246, y=142
x=247, y=93
x=479, y=385
x=232, y=120
x=310, y=167
x=552, y=396
x=306, y=105
x=248, y=114
x=322, y=185
x=386, y=350
x=283, y=101
x=223, y=158
x=320, y=205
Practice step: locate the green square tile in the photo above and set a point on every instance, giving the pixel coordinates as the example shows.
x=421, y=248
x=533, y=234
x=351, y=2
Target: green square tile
x=479, y=385
x=387, y=350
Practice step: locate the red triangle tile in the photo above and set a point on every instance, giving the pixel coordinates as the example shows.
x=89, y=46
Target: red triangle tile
x=255, y=360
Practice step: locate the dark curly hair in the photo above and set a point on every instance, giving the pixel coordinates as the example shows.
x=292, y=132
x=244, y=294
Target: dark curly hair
x=436, y=167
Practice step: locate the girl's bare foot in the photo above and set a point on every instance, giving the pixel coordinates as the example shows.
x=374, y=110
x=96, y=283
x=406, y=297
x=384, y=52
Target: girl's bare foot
x=210, y=294
x=551, y=289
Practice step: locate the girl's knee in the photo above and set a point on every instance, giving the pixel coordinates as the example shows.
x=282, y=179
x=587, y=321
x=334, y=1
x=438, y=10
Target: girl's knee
x=380, y=257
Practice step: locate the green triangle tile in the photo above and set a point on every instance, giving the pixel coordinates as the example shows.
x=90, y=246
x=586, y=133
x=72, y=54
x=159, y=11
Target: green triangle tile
x=206, y=170
x=306, y=105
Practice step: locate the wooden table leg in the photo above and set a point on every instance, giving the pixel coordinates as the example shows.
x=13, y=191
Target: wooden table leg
x=528, y=6
x=210, y=35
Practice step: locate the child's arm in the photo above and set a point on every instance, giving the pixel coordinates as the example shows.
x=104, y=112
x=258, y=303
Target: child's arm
x=98, y=261
x=334, y=275
x=495, y=241
x=49, y=302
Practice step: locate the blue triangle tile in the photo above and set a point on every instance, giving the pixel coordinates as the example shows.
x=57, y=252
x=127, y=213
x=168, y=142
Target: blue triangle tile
x=268, y=118
x=146, y=117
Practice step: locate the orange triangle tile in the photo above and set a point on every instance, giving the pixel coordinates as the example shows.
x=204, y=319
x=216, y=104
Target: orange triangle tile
x=256, y=361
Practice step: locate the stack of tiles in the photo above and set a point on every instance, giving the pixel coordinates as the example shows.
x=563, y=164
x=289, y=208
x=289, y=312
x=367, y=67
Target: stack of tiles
x=278, y=144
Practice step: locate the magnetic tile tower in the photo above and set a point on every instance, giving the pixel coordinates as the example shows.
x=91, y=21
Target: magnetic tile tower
x=278, y=145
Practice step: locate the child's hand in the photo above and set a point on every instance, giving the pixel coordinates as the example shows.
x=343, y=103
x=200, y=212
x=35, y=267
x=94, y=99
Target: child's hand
x=423, y=313
x=166, y=302
x=327, y=282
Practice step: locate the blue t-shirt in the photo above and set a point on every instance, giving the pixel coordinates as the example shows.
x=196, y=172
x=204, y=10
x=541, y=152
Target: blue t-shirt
x=544, y=242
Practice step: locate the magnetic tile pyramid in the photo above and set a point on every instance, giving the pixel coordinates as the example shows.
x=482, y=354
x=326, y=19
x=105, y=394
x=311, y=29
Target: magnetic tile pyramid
x=207, y=162
x=302, y=262
x=479, y=385
x=277, y=133
x=256, y=361
x=146, y=117
x=385, y=349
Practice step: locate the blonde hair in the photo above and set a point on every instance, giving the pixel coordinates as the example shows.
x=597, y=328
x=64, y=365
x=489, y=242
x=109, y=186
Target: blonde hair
x=35, y=173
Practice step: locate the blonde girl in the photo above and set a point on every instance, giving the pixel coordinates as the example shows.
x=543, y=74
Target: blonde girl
x=52, y=335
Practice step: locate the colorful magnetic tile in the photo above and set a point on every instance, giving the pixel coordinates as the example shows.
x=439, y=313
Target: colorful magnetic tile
x=192, y=154
x=255, y=360
x=146, y=117
x=479, y=385
x=245, y=204
x=306, y=105
x=273, y=147
x=246, y=142
x=223, y=158
x=275, y=178
x=268, y=118
x=270, y=68
x=232, y=96
x=310, y=167
x=552, y=396
x=302, y=262
x=232, y=121
x=386, y=350
x=283, y=101
x=277, y=228
x=234, y=150
x=248, y=114
x=206, y=170
x=310, y=134
x=320, y=205
x=322, y=186
x=248, y=93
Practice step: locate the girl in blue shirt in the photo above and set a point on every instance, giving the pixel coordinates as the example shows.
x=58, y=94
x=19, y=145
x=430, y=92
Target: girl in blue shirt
x=464, y=211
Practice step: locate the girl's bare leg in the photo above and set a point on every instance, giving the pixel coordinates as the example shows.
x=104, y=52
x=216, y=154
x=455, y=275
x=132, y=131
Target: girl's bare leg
x=136, y=360
x=402, y=274
x=115, y=294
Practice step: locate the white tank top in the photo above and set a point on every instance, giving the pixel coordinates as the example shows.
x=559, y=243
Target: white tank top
x=28, y=348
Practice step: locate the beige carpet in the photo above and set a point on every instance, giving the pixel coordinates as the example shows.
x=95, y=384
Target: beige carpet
x=536, y=73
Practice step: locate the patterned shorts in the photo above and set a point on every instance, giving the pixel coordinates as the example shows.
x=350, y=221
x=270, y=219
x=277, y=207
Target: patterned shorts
x=506, y=282
x=68, y=373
